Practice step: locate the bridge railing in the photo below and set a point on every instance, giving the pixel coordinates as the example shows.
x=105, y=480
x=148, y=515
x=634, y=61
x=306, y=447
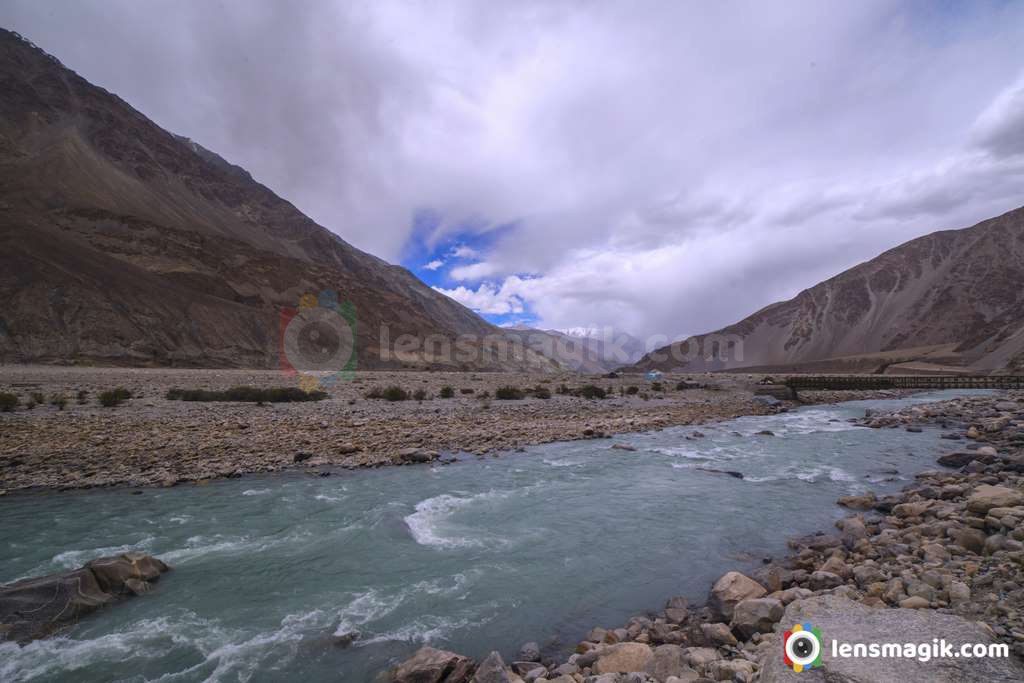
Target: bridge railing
x=851, y=382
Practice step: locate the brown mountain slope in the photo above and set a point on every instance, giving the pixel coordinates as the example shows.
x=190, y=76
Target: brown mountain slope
x=123, y=243
x=953, y=287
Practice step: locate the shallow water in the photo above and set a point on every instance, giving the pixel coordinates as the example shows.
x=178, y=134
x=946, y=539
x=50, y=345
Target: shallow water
x=476, y=555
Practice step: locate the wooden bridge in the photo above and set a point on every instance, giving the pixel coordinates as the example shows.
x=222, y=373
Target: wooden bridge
x=905, y=382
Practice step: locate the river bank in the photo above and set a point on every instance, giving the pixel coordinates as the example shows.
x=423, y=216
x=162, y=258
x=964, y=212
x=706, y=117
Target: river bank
x=151, y=441
x=941, y=559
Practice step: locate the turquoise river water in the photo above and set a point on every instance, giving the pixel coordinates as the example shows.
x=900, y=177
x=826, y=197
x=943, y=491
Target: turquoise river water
x=471, y=556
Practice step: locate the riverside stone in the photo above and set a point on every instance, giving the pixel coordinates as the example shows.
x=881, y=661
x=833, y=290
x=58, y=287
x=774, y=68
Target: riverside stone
x=756, y=615
x=730, y=590
x=986, y=497
x=429, y=665
x=624, y=658
x=37, y=607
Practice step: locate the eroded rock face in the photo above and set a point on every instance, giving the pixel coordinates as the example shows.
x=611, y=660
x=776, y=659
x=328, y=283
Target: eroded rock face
x=40, y=606
x=851, y=622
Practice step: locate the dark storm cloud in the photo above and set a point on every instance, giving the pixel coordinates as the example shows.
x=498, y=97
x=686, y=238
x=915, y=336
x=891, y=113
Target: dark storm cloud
x=668, y=167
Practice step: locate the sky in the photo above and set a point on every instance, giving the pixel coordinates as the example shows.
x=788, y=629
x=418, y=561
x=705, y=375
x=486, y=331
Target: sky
x=666, y=168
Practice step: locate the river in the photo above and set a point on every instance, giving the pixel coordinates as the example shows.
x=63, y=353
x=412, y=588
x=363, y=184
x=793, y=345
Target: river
x=471, y=556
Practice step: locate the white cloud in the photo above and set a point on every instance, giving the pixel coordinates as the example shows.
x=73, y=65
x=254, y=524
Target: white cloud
x=434, y=265
x=669, y=167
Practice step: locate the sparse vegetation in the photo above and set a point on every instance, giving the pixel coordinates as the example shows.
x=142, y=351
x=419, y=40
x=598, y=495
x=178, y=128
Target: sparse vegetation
x=37, y=398
x=390, y=393
x=541, y=391
x=30, y=404
x=8, y=402
x=446, y=392
x=562, y=389
x=420, y=395
x=115, y=397
x=657, y=386
x=467, y=390
x=246, y=395
x=590, y=391
x=508, y=393
x=632, y=390
x=58, y=400
x=82, y=396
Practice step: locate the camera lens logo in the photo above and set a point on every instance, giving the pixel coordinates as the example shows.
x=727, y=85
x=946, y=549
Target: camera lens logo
x=318, y=341
x=801, y=647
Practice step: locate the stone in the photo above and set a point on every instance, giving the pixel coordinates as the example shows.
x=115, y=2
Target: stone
x=429, y=665
x=852, y=530
x=529, y=652
x=492, y=670
x=730, y=670
x=933, y=552
x=731, y=589
x=851, y=622
x=40, y=606
x=718, y=634
x=958, y=460
x=986, y=497
x=623, y=447
x=623, y=658
x=820, y=580
x=970, y=539
x=700, y=657
x=910, y=509
x=959, y=592
x=667, y=661
x=865, y=502
x=756, y=615
x=914, y=602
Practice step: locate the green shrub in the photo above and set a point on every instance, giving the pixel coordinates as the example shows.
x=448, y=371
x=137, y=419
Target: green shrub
x=590, y=391
x=8, y=402
x=246, y=395
x=632, y=390
x=58, y=400
x=391, y=393
x=467, y=390
x=420, y=395
x=114, y=397
x=509, y=393
x=541, y=391
x=446, y=392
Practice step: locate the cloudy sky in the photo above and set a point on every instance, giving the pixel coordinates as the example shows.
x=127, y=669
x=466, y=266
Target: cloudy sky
x=663, y=167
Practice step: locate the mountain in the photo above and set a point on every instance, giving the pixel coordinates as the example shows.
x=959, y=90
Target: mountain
x=582, y=349
x=122, y=243
x=951, y=300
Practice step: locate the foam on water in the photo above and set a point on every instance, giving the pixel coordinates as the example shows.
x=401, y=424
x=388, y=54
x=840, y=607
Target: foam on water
x=432, y=514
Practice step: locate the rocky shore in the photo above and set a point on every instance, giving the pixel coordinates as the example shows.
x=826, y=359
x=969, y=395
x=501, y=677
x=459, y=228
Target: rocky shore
x=943, y=559
x=149, y=440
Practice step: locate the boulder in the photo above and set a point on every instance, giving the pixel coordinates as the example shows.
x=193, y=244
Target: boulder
x=429, y=665
x=623, y=658
x=986, y=497
x=529, y=652
x=492, y=670
x=37, y=607
x=756, y=615
x=667, y=661
x=851, y=622
x=961, y=459
x=731, y=589
x=718, y=634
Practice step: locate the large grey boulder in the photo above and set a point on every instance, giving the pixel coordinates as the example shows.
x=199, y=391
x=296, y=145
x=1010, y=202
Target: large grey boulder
x=37, y=607
x=986, y=497
x=851, y=622
x=731, y=589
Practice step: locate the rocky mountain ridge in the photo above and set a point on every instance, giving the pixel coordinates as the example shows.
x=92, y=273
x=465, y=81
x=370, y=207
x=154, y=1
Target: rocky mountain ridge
x=124, y=244
x=947, y=301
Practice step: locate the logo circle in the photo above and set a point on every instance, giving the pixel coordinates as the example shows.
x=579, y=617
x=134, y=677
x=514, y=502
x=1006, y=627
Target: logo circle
x=318, y=342
x=803, y=648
